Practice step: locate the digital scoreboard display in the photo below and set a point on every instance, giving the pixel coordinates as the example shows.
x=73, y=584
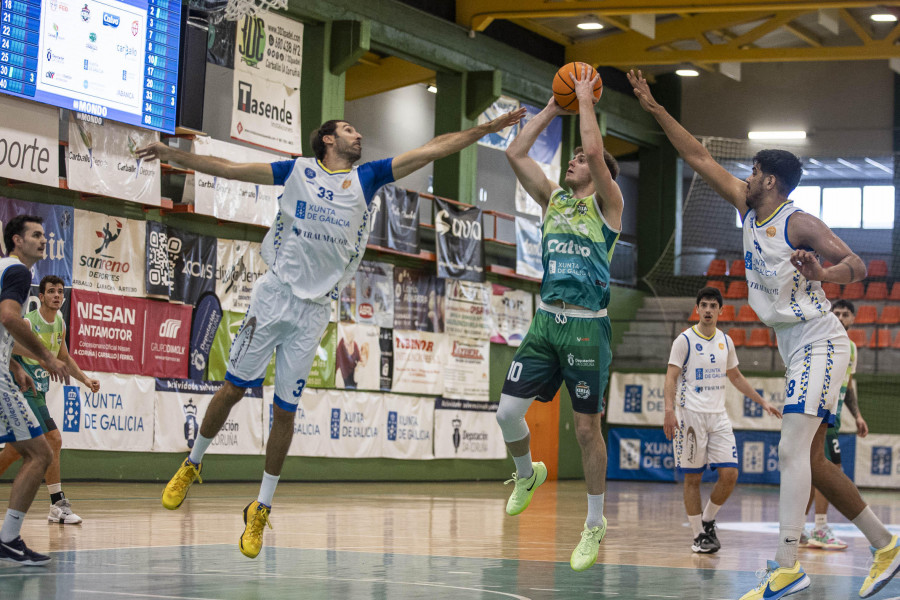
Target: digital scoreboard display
x=112, y=59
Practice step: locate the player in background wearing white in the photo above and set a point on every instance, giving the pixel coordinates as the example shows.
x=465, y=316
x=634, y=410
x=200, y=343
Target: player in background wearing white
x=48, y=325
x=25, y=242
x=781, y=248
x=313, y=249
x=821, y=535
x=702, y=358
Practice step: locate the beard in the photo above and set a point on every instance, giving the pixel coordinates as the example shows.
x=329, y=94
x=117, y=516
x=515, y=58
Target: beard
x=349, y=151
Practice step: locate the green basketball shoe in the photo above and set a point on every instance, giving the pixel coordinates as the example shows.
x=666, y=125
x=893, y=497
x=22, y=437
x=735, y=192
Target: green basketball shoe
x=585, y=553
x=525, y=488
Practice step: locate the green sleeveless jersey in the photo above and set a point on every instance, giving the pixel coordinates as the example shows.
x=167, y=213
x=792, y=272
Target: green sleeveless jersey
x=577, y=246
x=52, y=336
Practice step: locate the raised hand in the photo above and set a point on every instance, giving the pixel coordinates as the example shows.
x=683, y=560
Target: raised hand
x=808, y=264
x=642, y=91
x=584, y=86
x=506, y=120
x=156, y=150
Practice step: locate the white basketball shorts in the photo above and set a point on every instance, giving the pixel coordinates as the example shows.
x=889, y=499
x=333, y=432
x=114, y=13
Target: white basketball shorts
x=703, y=439
x=17, y=421
x=277, y=321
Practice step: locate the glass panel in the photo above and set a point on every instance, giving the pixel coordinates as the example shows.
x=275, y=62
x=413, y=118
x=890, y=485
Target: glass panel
x=842, y=207
x=878, y=207
x=806, y=198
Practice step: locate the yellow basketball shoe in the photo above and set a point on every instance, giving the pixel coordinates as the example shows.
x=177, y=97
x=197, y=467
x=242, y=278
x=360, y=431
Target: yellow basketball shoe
x=777, y=582
x=178, y=486
x=525, y=488
x=585, y=553
x=885, y=564
x=256, y=517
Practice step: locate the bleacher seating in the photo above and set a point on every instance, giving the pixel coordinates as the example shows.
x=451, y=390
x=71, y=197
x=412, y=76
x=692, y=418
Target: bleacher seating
x=881, y=338
x=716, y=284
x=890, y=315
x=853, y=291
x=866, y=314
x=832, y=290
x=876, y=290
x=736, y=290
x=727, y=314
x=759, y=338
x=895, y=291
x=737, y=268
x=877, y=268
x=717, y=268
x=858, y=337
x=738, y=335
x=746, y=315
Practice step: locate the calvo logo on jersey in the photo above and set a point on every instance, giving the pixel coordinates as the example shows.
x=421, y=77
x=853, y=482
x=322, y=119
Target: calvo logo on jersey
x=444, y=223
x=570, y=247
x=634, y=395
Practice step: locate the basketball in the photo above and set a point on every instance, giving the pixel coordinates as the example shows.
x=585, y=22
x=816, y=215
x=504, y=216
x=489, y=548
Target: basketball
x=564, y=89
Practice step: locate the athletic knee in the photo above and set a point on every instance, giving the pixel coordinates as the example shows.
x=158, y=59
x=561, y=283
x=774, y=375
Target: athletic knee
x=588, y=431
x=728, y=476
x=55, y=441
x=692, y=480
x=511, y=417
x=230, y=393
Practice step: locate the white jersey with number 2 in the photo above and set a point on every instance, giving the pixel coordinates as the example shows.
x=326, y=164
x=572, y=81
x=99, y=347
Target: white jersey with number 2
x=704, y=362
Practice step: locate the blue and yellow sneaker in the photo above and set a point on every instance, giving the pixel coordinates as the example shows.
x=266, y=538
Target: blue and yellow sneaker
x=885, y=564
x=256, y=517
x=525, y=488
x=178, y=486
x=777, y=582
x=585, y=553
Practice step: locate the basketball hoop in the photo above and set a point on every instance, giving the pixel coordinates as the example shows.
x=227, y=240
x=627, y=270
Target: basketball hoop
x=236, y=10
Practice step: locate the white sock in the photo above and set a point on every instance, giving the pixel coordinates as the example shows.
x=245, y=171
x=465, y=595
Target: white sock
x=12, y=525
x=595, y=511
x=54, y=488
x=267, y=489
x=200, y=445
x=696, y=522
x=711, y=510
x=872, y=527
x=821, y=521
x=524, y=469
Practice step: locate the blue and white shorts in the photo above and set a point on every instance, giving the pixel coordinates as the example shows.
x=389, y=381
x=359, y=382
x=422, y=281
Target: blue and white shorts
x=277, y=321
x=703, y=439
x=17, y=421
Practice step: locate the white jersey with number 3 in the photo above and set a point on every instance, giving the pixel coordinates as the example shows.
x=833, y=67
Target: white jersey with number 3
x=703, y=362
x=778, y=293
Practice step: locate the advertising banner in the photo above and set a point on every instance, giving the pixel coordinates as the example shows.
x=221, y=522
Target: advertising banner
x=386, y=345
x=528, y=248
x=109, y=254
x=106, y=332
x=467, y=430
x=312, y=422
x=877, y=460
x=418, y=362
x=218, y=357
x=468, y=309
x=467, y=370
x=374, y=284
x=501, y=139
x=410, y=426
x=179, y=409
x=378, y=217
x=518, y=308
x=357, y=424
x=167, y=332
x=402, y=227
x=102, y=159
x=238, y=265
x=204, y=324
x=266, y=98
x=321, y=374
x=29, y=141
x=58, y=229
x=118, y=417
x=358, y=357
x=459, y=243
x=418, y=300
x=228, y=199
x=181, y=266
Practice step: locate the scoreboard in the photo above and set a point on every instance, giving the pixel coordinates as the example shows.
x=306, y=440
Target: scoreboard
x=115, y=59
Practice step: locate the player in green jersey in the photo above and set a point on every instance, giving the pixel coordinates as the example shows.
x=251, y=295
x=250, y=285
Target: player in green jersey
x=569, y=337
x=47, y=324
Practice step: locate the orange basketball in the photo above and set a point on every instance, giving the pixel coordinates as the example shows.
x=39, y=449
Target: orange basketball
x=564, y=89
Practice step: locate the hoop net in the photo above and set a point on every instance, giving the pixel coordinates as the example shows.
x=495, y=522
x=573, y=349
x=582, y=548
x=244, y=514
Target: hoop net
x=238, y=9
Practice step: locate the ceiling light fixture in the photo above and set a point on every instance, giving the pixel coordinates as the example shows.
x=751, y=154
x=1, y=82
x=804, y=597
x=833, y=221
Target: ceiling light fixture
x=883, y=18
x=590, y=26
x=776, y=135
x=688, y=72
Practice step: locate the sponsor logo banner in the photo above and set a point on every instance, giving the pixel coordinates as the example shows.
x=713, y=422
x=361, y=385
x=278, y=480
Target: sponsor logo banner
x=466, y=373
x=409, y=427
x=512, y=313
x=402, y=214
x=460, y=242
x=118, y=417
x=322, y=372
x=418, y=362
x=109, y=254
x=58, y=229
x=528, y=248
x=29, y=142
x=501, y=139
x=228, y=199
x=179, y=409
x=239, y=266
x=467, y=430
x=468, y=309
x=378, y=210
x=107, y=332
x=204, y=325
x=266, y=94
x=877, y=460
x=181, y=266
x=229, y=327
x=418, y=301
x=167, y=331
x=101, y=159
x=386, y=346
x=369, y=297
x=358, y=357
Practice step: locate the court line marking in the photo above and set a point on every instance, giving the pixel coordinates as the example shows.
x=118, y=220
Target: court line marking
x=143, y=595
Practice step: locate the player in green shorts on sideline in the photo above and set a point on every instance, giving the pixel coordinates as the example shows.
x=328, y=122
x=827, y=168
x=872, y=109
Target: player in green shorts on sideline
x=569, y=337
x=48, y=325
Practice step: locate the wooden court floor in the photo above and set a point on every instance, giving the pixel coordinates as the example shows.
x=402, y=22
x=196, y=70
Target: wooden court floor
x=423, y=540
